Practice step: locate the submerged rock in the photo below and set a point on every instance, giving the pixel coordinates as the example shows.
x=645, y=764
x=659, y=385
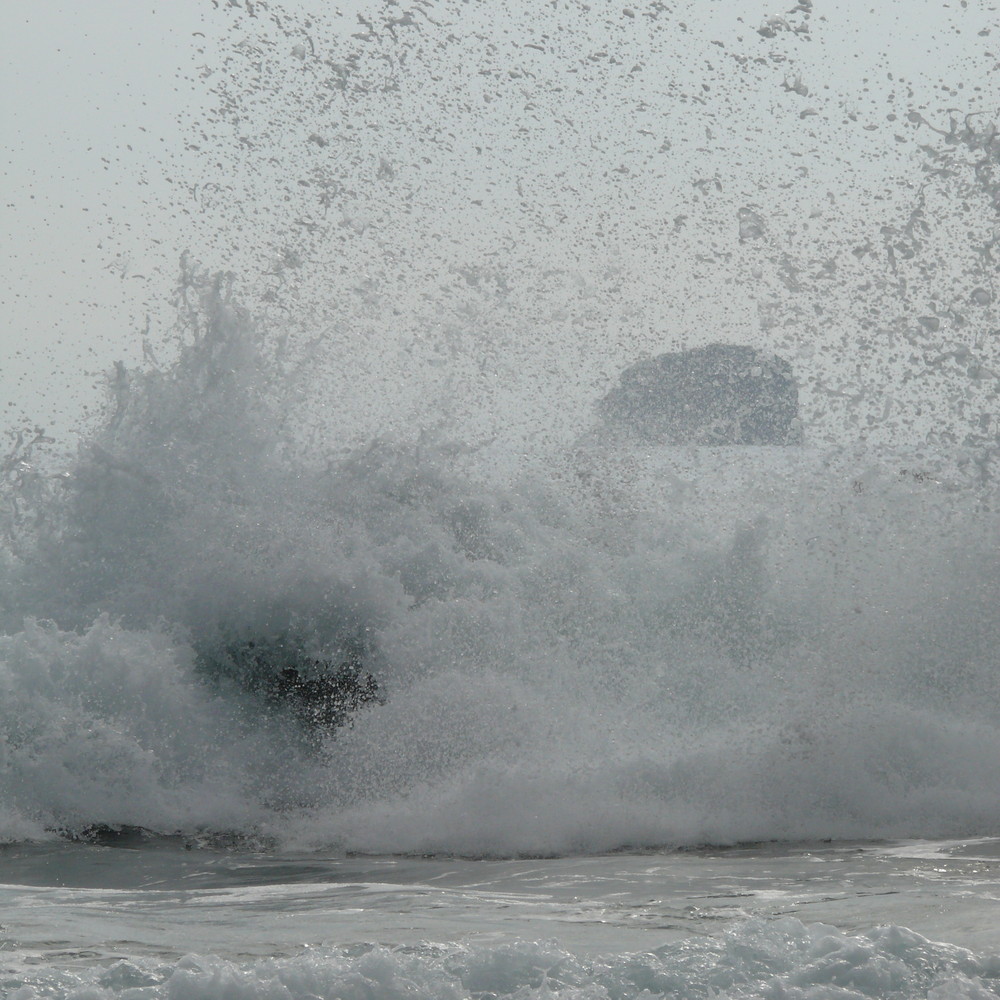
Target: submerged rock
x=130, y=837
x=723, y=394
x=123, y=835
x=321, y=691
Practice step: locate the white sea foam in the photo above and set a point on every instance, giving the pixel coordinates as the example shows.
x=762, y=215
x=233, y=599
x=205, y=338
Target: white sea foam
x=769, y=647
x=766, y=959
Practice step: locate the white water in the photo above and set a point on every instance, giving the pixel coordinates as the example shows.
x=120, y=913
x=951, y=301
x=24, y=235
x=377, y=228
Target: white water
x=161, y=922
x=616, y=650
x=378, y=429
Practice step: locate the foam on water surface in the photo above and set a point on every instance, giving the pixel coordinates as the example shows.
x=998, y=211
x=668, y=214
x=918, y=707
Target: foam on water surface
x=776, y=920
x=783, y=958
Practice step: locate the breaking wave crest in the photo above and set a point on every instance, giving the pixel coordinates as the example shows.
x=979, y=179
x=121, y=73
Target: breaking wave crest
x=604, y=649
x=357, y=565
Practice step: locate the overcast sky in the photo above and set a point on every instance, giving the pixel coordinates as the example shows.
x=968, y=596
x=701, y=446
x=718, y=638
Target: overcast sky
x=94, y=91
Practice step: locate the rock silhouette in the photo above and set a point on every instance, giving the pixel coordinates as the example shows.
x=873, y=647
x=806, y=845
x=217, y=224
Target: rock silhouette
x=723, y=394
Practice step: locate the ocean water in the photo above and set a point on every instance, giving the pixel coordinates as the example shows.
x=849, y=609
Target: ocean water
x=642, y=719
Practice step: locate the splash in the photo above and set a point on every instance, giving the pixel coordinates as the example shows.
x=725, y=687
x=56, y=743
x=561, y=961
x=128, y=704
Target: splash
x=707, y=645
x=355, y=566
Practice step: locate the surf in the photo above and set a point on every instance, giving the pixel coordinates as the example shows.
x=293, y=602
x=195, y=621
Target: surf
x=353, y=560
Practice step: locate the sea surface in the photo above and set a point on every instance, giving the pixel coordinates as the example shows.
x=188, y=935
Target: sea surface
x=795, y=920
x=345, y=650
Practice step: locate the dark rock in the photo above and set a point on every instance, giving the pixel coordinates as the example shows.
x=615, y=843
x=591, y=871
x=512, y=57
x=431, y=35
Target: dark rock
x=133, y=838
x=123, y=835
x=723, y=394
x=110, y=835
x=325, y=696
x=321, y=692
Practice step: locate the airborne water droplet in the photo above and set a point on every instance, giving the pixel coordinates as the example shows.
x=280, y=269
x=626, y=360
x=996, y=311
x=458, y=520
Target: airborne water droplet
x=751, y=225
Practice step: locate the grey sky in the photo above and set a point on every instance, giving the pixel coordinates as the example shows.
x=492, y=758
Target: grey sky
x=82, y=83
x=92, y=98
